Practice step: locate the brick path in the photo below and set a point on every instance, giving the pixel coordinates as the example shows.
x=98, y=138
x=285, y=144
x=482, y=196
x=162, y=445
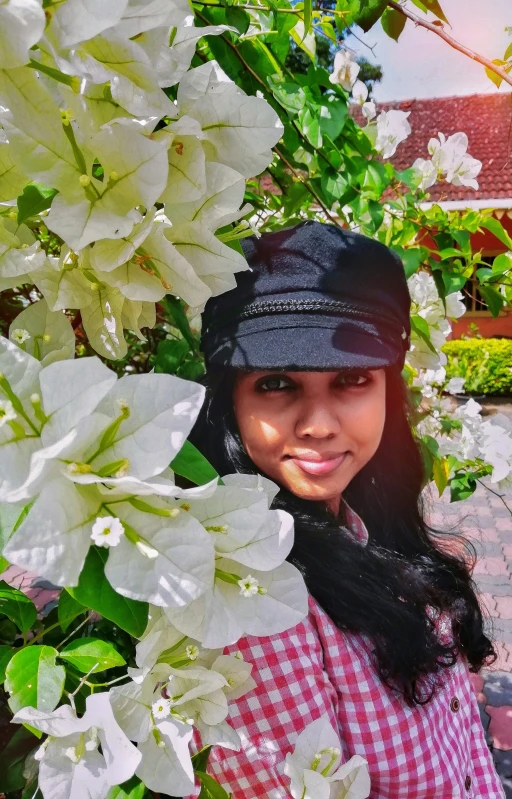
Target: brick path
x=486, y=522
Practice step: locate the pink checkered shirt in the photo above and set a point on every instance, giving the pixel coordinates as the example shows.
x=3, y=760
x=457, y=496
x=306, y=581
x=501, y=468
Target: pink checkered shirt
x=433, y=751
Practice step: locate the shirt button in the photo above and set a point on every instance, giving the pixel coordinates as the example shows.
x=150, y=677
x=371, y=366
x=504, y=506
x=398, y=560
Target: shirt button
x=467, y=783
x=455, y=705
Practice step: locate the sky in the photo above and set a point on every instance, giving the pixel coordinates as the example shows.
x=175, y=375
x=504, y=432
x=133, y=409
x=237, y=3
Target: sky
x=421, y=64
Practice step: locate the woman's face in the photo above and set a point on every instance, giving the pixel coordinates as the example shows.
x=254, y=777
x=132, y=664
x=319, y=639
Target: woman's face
x=311, y=432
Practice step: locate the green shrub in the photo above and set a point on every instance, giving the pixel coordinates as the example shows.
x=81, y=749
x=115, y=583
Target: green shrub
x=486, y=363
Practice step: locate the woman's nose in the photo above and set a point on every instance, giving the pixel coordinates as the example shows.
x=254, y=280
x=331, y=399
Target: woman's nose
x=317, y=421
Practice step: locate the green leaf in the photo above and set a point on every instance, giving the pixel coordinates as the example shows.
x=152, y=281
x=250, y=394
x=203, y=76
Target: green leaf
x=333, y=114
x=508, y=53
x=502, y=263
x=95, y=592
x=462, y=487
x=310, y=125
x=494, y=300
x=452, y=281
x=421, y=329
x=68, y=609
x=496, y=79
x=131, y=789
x=369, y=12
x=200, y=759
x=210, y=788
x=175, y=310
x=495, y=227
x=36, y=197
x=441, y=473
x=308, y=13
x=17, y=607
x=393, y=23
x=433, y=6
x=169, y=355
x=191, y=464
x=6, y=652
x=333, y=184
x=91, y=653
x=290, y=95
x=411, y=257
x=12, y=761
x=238, y=18
x=33, y=678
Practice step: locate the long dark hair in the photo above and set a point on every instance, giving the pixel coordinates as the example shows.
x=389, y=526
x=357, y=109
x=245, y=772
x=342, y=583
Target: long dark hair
x=392, y=589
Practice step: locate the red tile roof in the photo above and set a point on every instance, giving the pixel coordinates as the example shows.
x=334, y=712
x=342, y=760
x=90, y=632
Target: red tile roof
x=487, y=121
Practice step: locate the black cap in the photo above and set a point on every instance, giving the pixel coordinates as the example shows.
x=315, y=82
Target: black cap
x=318, y=297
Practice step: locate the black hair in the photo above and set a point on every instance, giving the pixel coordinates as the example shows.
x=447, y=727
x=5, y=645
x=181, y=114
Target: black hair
x=392, y=589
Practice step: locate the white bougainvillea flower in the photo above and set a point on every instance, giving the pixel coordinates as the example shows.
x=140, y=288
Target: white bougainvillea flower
x=137, y=169
x=69, y=759
x=48, y=335
x=19, y=373
x=243, y=528
x=465, y=172
x=154, y=269
x=221, y=616
x=34, y=129
x=345, y=69
x=369, y=110
x=496, y=447
x=447, y=152
x=173, y=62
x=214, y=262
x=123, y=63
x=22, y=24
x=168, y=561
x=12, y=180
x=75, y=21
x=219, y=203
x=425, y=172
x=241, y=130
x=314, y=767
x=455, y=385
x=389, y=129
x=359, y=92
x=20, y=254
x=166, y=765
x=162, y=738
x=107, y=531
x=144, y=15
x=19, y=335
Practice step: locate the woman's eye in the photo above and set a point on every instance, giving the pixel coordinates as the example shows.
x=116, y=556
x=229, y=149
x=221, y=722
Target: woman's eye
x=357, y=379
x=273, y=384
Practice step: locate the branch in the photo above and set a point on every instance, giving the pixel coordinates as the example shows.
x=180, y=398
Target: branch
x=500, y=496
x=306, y=185
x=439, y=31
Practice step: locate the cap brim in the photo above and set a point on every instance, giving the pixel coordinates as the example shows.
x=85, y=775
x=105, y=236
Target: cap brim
x=305, y=348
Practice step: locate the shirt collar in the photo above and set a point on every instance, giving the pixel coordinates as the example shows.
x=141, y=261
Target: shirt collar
x=355, y=524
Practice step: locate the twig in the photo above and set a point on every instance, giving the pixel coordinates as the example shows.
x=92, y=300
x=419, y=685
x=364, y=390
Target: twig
x=71, y=634
x=496, y=494
x=308, y=187
x=439, y=31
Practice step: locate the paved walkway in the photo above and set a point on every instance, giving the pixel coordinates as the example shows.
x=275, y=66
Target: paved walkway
x=486, y=522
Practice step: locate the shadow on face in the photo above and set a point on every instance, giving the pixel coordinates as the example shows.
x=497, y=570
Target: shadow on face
x=311, y=432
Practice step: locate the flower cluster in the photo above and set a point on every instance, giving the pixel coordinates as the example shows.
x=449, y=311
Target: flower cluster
x=86, y=110
x=315, y=769
x=449, y=160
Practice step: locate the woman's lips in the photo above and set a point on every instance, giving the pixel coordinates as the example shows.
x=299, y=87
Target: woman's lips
x=319, y=467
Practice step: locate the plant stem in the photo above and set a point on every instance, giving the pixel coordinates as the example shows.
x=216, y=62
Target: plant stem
x=495, y=494
x=439, y=31
x=71, y=634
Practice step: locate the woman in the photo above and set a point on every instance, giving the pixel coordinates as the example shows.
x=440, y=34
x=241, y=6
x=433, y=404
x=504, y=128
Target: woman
x=304, y=386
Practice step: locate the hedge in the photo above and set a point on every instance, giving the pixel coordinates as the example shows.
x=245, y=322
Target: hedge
x=486, y=363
